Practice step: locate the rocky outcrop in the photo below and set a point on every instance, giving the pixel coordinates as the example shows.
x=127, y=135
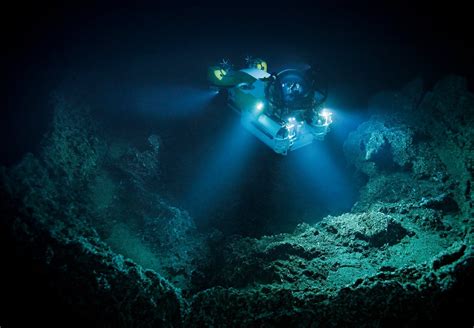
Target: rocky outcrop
x=113, y=252
x=410, y=295
x=403, y=257
x=63, y=213
x=91, y=284
x=421, y=149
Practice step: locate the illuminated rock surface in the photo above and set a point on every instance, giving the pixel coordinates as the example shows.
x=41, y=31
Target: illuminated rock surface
x=404, y=256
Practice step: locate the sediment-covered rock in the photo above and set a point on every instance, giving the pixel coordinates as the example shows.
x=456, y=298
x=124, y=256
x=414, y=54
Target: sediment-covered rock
x=393, y=265
x=409, y=295
x=422, y=148
x=91, y=284
x=88, y=224
x=404, y=256
x=113, y=251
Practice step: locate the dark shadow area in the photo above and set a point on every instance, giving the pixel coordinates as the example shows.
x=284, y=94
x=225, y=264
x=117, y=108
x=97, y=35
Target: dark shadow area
x=144, y=202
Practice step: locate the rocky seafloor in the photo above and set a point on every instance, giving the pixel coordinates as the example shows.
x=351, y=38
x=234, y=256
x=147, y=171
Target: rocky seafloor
x=87, y=238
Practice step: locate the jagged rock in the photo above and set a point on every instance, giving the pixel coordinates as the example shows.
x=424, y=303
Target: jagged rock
x=404, y=243
x=173, y=237
x=402, y=257
x=72, y=150
x=399, y=150
x=387, y=298
x=155, y=142
x=377, y=145
x=109, y=195
x=449, y=120
x=376, y=228
x=94, y=285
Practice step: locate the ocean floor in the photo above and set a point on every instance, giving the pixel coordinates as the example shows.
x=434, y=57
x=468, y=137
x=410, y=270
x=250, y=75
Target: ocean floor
x=85, y=232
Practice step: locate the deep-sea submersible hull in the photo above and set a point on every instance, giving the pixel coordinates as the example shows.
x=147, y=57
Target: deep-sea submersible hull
x=264, y=129
x=281, y=110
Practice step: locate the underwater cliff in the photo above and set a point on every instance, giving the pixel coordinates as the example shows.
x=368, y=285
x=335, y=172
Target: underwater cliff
x=87, y=232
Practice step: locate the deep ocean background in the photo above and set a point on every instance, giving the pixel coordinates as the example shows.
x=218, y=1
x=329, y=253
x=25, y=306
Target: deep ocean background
x=142, y=68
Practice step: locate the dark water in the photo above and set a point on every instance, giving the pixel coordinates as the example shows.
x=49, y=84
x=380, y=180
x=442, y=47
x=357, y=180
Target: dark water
x=142, y=70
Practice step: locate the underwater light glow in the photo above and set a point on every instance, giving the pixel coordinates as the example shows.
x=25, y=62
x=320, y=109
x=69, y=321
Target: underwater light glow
x=325, y=112
x=219, y=170
x=259, y=106
x=322, y=175
x=172, y=101
x=326, y=115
